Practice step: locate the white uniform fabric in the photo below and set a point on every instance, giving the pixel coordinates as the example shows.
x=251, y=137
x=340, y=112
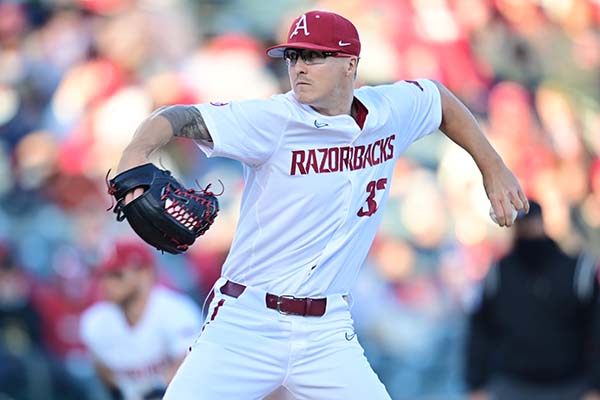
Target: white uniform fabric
x=308, y=176
x=246, y=351
x=315, y=189
x=139, y=355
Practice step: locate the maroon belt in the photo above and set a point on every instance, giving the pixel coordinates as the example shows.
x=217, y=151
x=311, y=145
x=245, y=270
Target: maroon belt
x=286, y=304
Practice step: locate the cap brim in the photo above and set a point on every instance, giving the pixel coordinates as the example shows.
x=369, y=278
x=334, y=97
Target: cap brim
x=119, y=264
x=277, y=51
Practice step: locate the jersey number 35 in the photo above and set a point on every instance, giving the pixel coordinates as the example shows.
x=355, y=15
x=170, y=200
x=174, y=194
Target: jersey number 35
x=371, y=207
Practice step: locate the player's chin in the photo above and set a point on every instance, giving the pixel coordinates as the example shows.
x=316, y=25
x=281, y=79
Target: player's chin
x=303, y=96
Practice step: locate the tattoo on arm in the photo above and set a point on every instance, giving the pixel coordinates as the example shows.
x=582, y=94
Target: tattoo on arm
x=186, y=121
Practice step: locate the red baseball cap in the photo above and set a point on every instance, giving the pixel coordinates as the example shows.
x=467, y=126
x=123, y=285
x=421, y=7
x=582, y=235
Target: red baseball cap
x=322, y=31
x=126, y=255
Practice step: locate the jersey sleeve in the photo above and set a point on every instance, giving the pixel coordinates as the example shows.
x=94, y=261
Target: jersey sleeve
x=183, y=325
x=248, y=131
x=418, y=105
x=88, y=326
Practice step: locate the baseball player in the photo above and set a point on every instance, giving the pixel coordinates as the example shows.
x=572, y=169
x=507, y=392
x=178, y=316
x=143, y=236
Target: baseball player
x=318, y=165
x=141, y=333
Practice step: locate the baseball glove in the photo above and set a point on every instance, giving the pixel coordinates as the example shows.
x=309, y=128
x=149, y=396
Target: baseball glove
x=167, y=215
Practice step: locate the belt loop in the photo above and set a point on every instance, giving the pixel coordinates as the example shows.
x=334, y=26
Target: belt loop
x=348, y=299
x=207, y=300
x=219, y=284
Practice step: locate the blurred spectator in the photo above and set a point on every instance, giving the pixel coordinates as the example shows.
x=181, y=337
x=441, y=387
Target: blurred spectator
x=27, y=371
x=20, y=330
x=140, y=334
x=534, y=335
x=60, y=299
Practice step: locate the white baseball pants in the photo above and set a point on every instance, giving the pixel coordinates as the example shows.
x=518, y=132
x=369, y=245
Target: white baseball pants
x=246, y=351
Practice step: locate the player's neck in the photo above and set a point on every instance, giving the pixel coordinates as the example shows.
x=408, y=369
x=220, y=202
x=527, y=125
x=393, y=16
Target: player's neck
x=337, y=102
x=135, y=306
x=335, y=107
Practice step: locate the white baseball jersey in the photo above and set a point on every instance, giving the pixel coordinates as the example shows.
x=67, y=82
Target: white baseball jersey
x=316, y=185
x=139, y=355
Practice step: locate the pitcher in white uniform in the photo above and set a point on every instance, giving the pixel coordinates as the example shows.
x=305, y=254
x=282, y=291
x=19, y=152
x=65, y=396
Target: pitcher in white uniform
x=139, y=334
x=318, y=165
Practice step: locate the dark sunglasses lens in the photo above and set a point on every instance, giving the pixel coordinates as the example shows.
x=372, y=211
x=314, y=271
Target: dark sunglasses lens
x=308, y=56
x=291, y=55
x=113, y=275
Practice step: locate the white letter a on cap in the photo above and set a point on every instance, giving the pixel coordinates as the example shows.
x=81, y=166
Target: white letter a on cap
x=301, y=24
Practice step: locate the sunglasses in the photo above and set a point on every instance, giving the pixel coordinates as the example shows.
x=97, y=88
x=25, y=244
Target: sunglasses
x=310, y=57
x=113, y=275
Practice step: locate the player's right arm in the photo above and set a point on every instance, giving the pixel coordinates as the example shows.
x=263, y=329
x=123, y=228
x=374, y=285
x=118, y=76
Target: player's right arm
x=156, y=131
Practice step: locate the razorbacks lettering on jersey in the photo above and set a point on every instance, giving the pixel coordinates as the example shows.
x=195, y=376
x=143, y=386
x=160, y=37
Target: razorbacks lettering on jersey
x=139, y=355
x=315, y=185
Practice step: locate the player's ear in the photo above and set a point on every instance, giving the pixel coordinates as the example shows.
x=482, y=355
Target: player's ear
x=351, y=66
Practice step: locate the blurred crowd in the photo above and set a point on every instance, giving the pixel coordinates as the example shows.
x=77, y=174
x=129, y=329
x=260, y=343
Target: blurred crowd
x=78, y=76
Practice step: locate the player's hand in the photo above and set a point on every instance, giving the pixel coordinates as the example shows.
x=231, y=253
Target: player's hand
x=134, y=194
x=504, y=192
x=131, y=160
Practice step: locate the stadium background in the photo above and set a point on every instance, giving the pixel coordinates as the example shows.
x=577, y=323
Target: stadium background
x=77, y=76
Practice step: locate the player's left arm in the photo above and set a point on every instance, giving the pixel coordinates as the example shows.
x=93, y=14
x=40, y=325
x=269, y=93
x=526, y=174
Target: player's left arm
x=501, y=185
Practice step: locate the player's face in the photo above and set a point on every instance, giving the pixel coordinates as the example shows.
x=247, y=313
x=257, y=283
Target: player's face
x=318, y=78
x=118, y=286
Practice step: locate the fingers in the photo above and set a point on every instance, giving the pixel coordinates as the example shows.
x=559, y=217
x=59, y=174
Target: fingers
x=519, y=201
x=516, y=201
x=498, y=211
x=134, y=194
x=507, y=209
x=504, y=211
x=506, y=196
x=524, y=200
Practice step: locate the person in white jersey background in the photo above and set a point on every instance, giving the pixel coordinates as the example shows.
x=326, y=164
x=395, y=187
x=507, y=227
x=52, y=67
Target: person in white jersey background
x=141, y=332
x=318, y=163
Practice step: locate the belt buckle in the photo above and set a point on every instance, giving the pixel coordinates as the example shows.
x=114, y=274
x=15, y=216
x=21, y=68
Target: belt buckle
x=280, y=300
